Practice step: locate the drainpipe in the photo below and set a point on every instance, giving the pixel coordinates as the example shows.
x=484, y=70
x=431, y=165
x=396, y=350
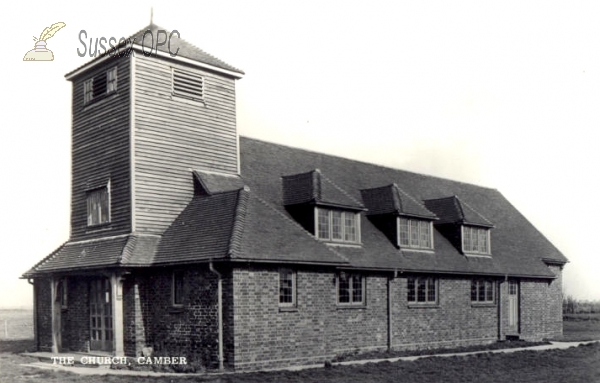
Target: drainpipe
x=390, y=322
x=35, y=319
x=219, y=310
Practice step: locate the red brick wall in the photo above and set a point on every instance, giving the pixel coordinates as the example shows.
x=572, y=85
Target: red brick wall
x=266, y=336
x=75, y=318
x=190, y=331
x=44, y=313
x=541, y=307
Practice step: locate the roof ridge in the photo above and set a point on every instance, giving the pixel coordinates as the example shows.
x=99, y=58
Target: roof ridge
x=239, y=221
x=458, y=204
x=299, y=226
x=366, y=163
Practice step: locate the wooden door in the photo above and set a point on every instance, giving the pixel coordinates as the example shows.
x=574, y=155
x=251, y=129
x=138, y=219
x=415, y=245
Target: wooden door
x=101, y=321
x=513, y=307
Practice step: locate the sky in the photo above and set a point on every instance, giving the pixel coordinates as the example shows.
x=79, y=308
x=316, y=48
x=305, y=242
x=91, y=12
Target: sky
x=500, y=94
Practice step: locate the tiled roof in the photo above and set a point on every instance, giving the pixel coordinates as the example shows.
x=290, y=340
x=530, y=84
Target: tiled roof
x=517, y=246
x=186, y=49
x=251, y=224
x=453, y=210
x=314, y=186
x=392, y=199
x=212, y=183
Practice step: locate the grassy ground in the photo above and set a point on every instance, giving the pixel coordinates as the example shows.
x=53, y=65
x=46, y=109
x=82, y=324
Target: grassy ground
x=578, y=327
x=16, y=324
x=574, y=365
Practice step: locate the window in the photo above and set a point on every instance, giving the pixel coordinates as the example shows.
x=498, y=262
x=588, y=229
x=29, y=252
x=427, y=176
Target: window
x=61, y=293
x=177, y=291
x=88, y=91
x=476, y=240
x=100, y=85
x=415, y=233
x=287, y=288
x=422, y=290
x=98, y=206
x=351, y=289
x=338, y=225
x=111, y=80
x=187, y=84
x=482, y=291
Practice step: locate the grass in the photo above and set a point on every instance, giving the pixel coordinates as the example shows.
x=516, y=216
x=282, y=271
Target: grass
x=573, y=365
x=16, y=324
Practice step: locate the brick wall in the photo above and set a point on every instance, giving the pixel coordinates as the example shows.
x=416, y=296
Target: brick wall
x=44, y=313
x=541, y=307
x=454, y=321
x=75, y=319
x=267, y=336
x=190, y=331
x=134, y=326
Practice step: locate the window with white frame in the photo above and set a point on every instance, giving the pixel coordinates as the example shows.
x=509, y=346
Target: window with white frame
x=98, y=206
x=187, y=84
x=88, y=91
x=338, y=225
x=482, y=291
x=415, y=233
x=287, y=288
x=111, y=80
x=475, y=240
x=351, y=289
x=177, y=288
x=422, y=290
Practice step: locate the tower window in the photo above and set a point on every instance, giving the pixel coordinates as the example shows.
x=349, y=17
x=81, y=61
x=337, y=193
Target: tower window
x=98, y=206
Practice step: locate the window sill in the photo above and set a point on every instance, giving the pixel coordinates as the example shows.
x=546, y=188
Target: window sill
x=188, y=100
x=416, y=250
x=350, y=306
x=288, y=309
x=100, y=227
x=176, y=309
x=423, y=305
x=481, y=255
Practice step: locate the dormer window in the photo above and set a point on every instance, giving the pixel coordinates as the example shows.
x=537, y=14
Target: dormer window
x=475, y=240
x=415, y=233
x=338, y=225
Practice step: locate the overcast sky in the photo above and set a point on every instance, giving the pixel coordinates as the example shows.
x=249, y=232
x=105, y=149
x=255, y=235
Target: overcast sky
x=504, y=95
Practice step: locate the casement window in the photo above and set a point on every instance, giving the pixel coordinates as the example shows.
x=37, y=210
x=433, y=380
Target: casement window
x=422, y=290
x=98, y=206
x=338, y=225
x=415, y=233
x=475, y=240
x=287, y=288
x=177, y=288
x=111, y=80
x=88, y=91
x=482, y=291
x=187, y=84
x=350, y=289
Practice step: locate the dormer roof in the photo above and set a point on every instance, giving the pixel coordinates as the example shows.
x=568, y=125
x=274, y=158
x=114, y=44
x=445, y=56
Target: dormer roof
x=392, y=199
x=453, y=210
x=209, y=183
x=314, y=187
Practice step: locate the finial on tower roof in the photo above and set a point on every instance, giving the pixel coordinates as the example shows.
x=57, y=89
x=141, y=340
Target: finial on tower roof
x=151, y=15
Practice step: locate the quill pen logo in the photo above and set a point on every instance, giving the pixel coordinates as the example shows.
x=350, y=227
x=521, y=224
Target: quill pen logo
x=40, y=52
